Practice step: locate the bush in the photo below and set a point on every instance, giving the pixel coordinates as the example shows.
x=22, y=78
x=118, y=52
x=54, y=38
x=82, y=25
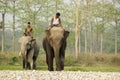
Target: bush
x=3, y=59
x=115, y=60
x=14, y=59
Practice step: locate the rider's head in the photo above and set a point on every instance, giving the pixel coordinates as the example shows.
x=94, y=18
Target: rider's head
x=57, y=14
x=28, y=24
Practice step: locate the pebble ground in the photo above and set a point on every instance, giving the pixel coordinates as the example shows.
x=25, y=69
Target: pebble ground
x=57, y=75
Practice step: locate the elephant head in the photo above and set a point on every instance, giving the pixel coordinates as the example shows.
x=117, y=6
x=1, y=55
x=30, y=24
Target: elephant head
x=25, y=42
x=54, y=44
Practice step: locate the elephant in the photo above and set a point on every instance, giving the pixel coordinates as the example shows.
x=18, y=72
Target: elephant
x=29, y=51
x=54, y=44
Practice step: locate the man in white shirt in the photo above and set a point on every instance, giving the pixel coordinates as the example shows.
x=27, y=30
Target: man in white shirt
x=56, y=21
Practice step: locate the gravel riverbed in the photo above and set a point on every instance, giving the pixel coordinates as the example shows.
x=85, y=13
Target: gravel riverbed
x=56, y=75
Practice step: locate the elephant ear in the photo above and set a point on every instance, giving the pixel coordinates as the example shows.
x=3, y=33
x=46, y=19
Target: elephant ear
x=66, y=34
x=47, y=33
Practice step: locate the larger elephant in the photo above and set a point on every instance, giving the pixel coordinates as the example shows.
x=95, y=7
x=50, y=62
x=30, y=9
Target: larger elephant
x=54, y=45
x=29, y=50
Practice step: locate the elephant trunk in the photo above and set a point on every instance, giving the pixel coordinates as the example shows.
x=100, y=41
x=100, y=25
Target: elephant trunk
x=23, y=54
x=57, y=57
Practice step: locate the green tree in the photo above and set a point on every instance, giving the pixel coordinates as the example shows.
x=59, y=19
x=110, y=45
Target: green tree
x=3, y=10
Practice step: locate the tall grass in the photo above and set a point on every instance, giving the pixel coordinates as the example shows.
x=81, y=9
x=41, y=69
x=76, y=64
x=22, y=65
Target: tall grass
x=84, y=60
x=93, y=60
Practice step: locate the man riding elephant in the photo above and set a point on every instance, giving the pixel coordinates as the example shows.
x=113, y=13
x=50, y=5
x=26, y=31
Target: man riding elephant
x=29, y=29
x=56, y=21
x=54, y=45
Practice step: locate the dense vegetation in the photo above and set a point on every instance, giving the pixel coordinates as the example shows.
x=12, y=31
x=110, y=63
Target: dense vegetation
x=98, y=22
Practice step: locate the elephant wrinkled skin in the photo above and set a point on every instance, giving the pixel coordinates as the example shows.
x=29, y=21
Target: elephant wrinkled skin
x=29, y=51
x=54, y=45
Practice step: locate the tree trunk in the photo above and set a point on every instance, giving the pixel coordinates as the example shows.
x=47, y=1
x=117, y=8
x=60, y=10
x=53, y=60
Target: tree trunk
x=34, y=20
x=47, y=15
x=116, y=41
x=76, y=32
x=56, y=5
x=3, y=33
x=86, y=40
x=79, y=41
x=102, y=32
x=101, y=49
x=13, y=26
x=96, y=45
x=91, y=40
x=116, y=26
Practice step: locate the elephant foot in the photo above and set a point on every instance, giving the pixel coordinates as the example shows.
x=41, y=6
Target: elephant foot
x=28, y=65
x=51, y=69
x=58, y=69
x=62, y=68
x=23, y=64
x=34, y=67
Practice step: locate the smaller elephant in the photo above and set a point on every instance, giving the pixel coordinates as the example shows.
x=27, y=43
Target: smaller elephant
x=54, y=45
x=29, y=51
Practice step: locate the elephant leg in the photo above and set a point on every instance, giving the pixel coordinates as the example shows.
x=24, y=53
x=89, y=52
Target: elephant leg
x=46, y=58
x=49, y=60
x=27, y=64
x=62, y=61
x=62, y=55
x=49, y=56
x=34, y=62
x=31, y=65
x=23, y=63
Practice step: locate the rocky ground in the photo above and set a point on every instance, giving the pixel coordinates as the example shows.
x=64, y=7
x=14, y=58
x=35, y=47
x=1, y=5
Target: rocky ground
x=63, y=75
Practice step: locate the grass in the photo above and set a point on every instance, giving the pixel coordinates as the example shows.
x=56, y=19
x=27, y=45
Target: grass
x=93, y=69
x=85, y=62
x=68, y=68
x=11, y=67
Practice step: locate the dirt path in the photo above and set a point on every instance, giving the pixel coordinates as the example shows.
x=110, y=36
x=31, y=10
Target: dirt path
x=63, y=75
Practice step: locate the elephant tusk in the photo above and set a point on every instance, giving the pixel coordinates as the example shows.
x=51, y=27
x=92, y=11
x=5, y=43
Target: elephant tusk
x=20, y=53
